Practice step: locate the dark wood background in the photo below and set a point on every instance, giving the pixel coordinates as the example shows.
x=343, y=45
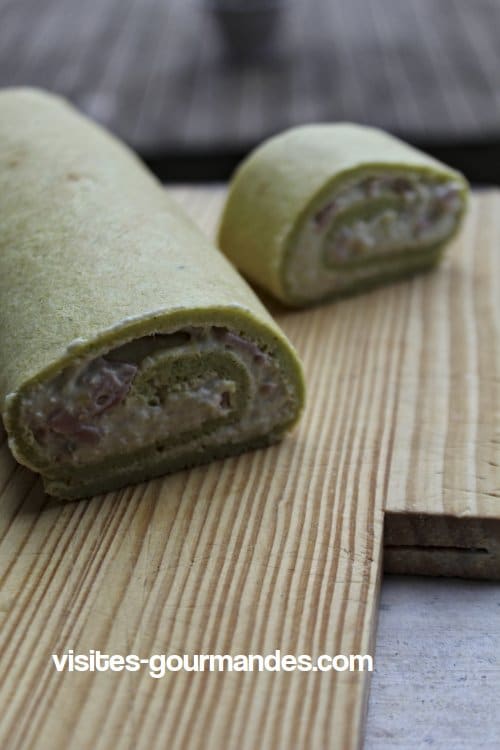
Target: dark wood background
x=158, y=73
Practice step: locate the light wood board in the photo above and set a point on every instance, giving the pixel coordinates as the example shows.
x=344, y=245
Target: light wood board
x=281, y=548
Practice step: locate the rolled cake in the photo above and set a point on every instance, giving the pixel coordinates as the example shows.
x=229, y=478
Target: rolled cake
x=130, y=345
x=323, y=210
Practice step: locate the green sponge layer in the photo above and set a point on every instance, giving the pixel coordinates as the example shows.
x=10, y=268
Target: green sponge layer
x=323, y=210
x=130, y=346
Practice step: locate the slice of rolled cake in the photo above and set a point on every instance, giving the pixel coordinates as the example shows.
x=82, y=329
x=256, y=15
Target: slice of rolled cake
x=130, y=346
x=324, y=210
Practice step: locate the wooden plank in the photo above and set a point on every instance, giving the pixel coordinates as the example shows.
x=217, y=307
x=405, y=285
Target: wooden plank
x=275, y=549
x=444, y=488
x=443, y=496
x=280, y=548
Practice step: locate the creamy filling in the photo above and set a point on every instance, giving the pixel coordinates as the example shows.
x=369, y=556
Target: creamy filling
x=120, y=402
x=362, y=224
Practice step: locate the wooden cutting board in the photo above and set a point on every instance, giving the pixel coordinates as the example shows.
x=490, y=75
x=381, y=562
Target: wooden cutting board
x=278, y=549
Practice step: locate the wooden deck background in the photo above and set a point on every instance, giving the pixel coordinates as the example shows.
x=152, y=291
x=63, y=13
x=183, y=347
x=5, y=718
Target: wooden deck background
x=156, y=72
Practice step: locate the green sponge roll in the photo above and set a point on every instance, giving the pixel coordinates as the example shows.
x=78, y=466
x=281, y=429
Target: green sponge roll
x=130, y=345
x=323, y=210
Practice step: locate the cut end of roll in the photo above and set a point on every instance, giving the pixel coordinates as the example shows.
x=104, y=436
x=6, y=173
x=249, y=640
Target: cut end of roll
x=330, y=209
x=154, y=404
x=367, y=228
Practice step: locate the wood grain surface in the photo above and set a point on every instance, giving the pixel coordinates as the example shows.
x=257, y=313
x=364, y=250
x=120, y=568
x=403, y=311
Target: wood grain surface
x=443, y=501
x=281, y=548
